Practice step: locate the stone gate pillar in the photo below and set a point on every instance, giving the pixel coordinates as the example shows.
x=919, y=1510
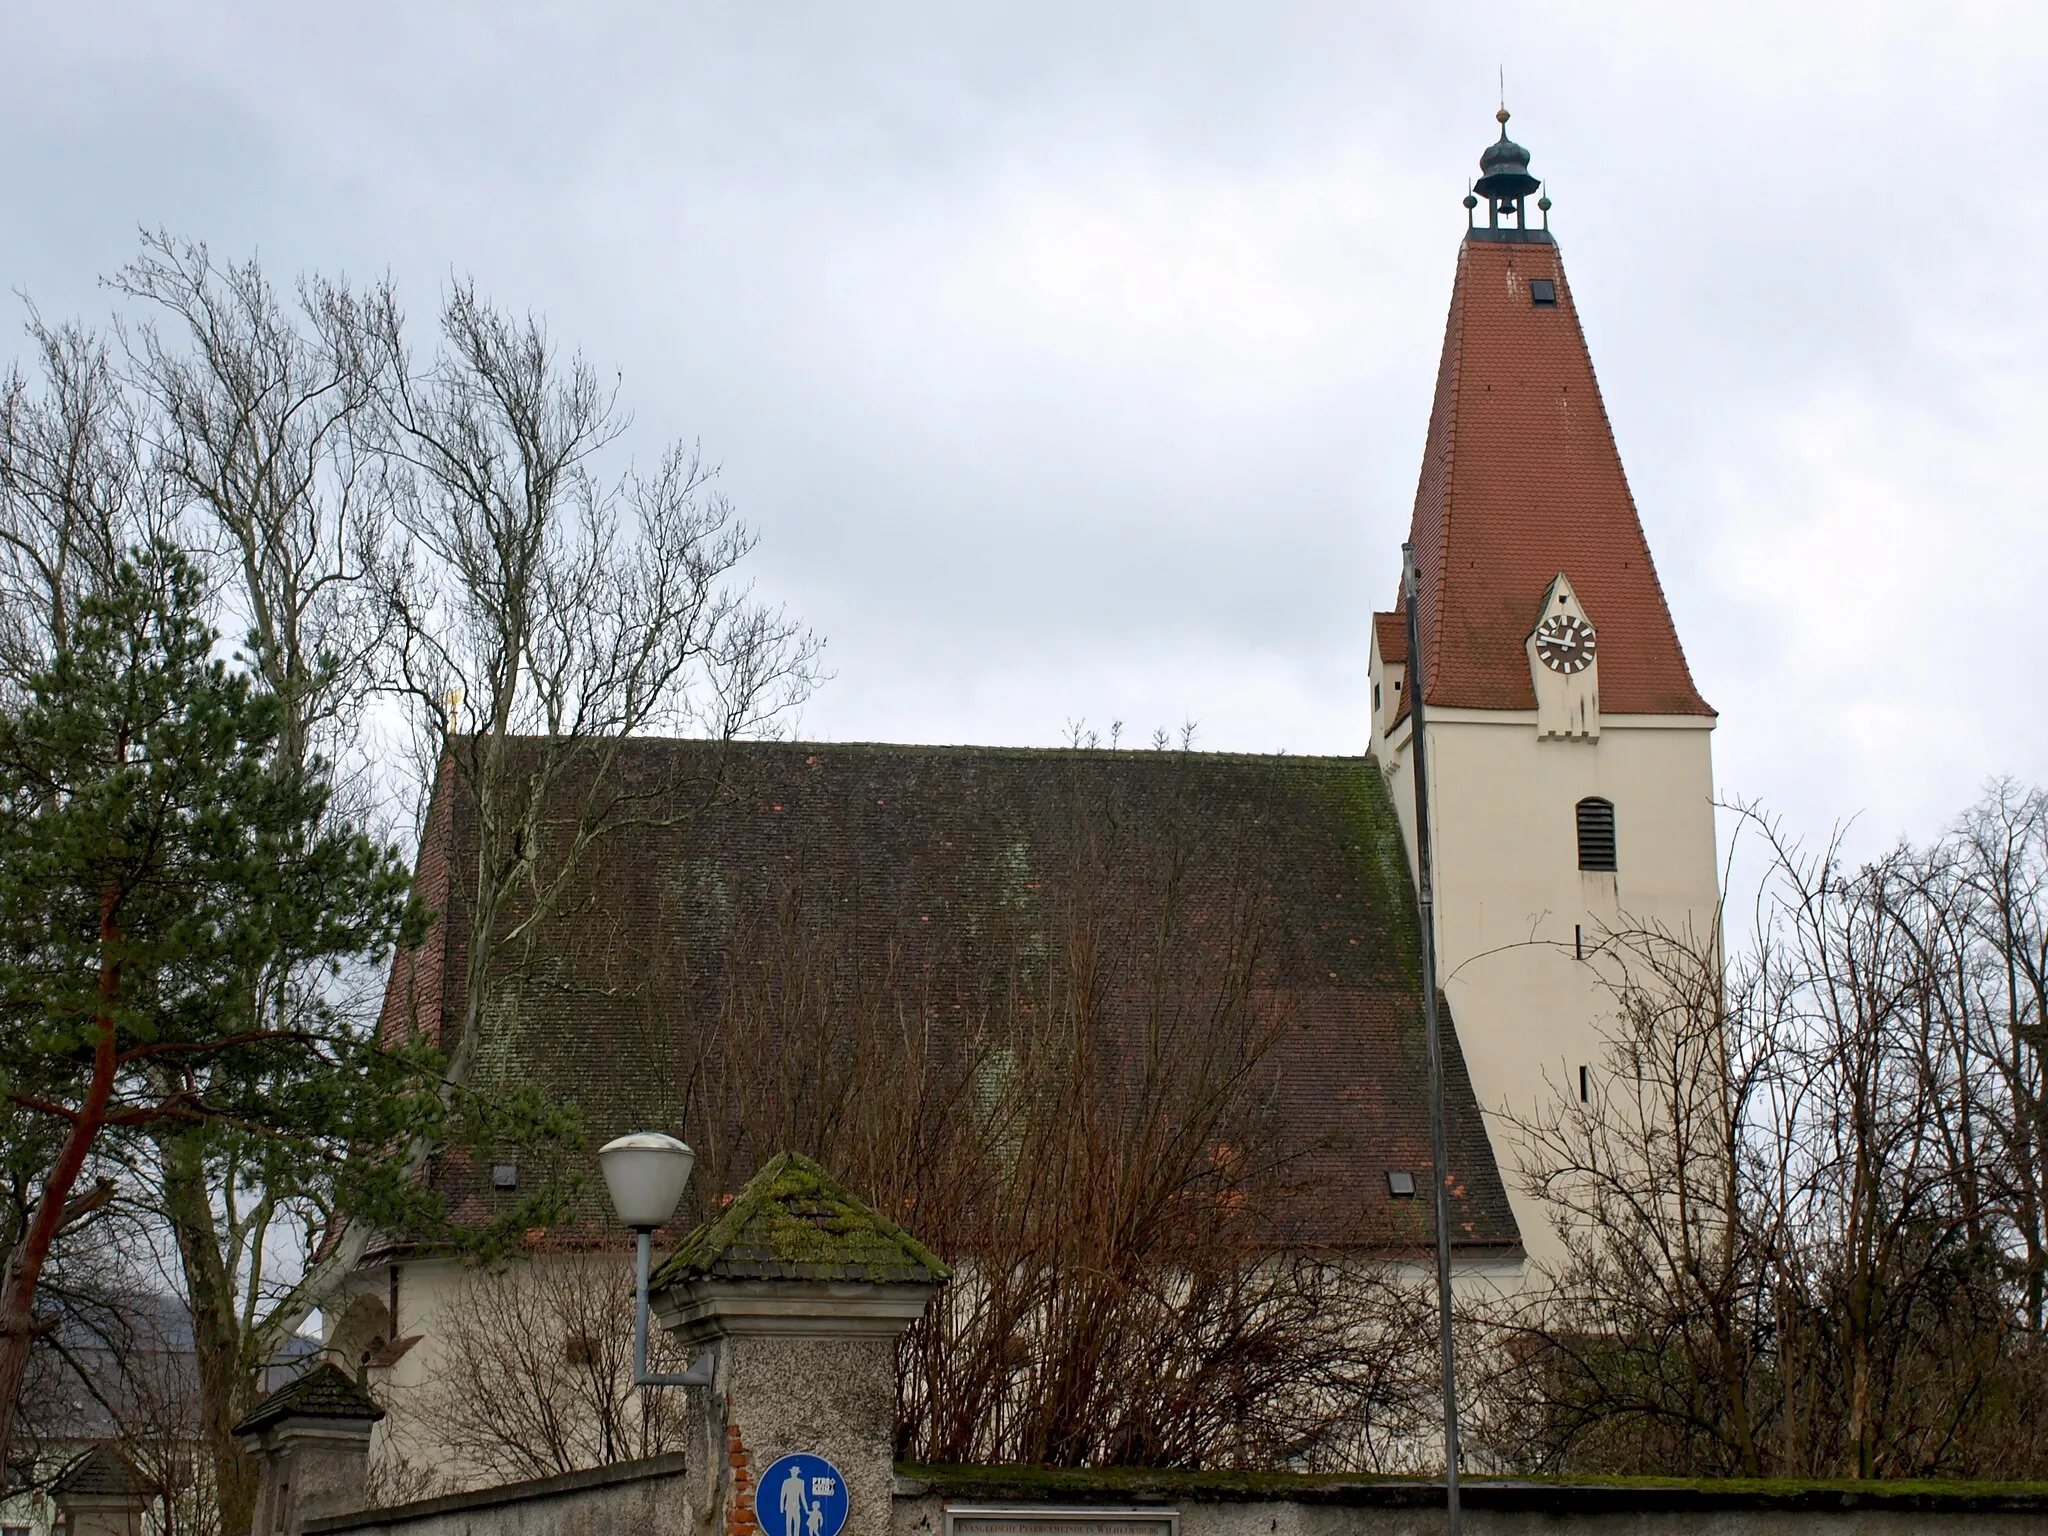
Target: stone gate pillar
x=311, y=1442
x=803, y=1291
x=101, y=1494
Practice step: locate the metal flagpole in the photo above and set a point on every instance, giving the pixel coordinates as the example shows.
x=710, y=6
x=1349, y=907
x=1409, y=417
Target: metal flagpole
x=1411, y=584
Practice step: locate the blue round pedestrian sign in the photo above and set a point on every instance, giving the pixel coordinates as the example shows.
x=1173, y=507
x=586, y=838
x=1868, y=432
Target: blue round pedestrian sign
x=800, y=1495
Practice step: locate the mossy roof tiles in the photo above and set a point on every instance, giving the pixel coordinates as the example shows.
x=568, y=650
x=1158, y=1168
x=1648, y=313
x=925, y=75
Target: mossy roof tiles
x=794, y=1221
x=324, y=1392
x=102, y=1472
x=766, y=886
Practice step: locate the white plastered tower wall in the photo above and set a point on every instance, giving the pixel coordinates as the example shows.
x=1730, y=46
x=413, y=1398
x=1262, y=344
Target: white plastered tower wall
x=1514, y=911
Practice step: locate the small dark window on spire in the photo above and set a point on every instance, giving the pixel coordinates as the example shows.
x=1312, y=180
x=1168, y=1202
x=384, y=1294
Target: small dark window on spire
x=1542, y=291
x=1596, y=833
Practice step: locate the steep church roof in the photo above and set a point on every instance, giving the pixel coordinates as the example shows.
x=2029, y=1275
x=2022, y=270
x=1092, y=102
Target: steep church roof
x=772, y=888
x=1521, y=480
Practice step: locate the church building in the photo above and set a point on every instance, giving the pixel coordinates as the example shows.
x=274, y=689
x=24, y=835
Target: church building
x=1571, y=793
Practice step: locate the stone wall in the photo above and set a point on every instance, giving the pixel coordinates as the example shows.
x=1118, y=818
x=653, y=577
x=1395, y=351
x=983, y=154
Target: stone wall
x=799, y=1293
x=1505, y=1509
x=634, y=1498
x=648, y=1498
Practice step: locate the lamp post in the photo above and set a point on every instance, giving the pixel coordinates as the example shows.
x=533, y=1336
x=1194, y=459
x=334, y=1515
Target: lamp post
x=1425, y=901
x=646, y=1173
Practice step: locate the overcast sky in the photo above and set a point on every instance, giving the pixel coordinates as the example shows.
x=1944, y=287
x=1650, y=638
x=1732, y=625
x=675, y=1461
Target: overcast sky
x=1073, y=360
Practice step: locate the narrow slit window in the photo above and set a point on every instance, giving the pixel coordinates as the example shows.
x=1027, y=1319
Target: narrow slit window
x=1542, y=290
x=1585, y=1085
x=1596, y=833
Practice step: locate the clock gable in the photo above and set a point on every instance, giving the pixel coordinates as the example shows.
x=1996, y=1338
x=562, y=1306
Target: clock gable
x=1563, y=648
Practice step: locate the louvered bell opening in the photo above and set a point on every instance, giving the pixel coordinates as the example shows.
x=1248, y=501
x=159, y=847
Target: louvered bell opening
x=1596, y=834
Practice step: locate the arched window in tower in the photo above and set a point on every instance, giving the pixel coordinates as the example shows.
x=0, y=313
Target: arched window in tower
x=1596, y=833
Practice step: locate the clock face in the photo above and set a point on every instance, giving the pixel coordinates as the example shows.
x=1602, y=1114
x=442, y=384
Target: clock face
x=1564, y=643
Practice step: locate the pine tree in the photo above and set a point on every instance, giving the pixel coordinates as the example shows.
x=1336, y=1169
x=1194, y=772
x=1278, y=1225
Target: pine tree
x=172, y=895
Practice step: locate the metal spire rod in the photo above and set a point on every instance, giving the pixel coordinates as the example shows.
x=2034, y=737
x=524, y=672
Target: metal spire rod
x=1425, y=894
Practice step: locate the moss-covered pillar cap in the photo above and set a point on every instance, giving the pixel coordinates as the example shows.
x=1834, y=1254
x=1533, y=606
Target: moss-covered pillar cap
x=325, y=1396
x=795, y=1255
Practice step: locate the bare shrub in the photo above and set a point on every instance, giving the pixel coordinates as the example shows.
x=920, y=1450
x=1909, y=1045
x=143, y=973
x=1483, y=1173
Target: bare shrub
x=539, y=1376
x=1081, y=1116
x=1801, y=1211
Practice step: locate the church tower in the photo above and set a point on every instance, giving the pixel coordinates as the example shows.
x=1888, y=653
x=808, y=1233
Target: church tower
x=1571, y=778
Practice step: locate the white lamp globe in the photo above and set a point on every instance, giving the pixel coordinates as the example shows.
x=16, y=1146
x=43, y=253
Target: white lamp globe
x=646, y=1173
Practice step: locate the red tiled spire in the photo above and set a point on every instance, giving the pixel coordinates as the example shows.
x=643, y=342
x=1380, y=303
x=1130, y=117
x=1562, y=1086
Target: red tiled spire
x=1521, y=480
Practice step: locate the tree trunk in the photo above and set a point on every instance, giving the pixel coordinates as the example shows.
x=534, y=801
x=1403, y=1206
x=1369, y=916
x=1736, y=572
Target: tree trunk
x=224, y=1365
x=18, y=1326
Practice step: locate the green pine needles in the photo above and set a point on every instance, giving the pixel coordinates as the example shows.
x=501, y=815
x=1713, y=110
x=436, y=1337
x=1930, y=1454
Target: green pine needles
x=175, y=897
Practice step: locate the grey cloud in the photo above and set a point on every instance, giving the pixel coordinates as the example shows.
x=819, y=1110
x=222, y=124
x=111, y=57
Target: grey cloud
x=1074, y=359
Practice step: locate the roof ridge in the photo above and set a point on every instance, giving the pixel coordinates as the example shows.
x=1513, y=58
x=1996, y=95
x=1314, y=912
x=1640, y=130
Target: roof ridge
x=1000, y=749
x=1421, y=665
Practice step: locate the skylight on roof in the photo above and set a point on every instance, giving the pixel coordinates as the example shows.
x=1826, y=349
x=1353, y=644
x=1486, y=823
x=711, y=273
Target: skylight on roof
x=1542, y=290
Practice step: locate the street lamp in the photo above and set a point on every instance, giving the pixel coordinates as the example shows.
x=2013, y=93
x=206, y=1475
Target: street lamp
x=1425, y=902
x=646, y=1173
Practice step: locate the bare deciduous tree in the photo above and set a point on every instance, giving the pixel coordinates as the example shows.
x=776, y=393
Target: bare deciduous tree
x=254, y=415
x=1801, y=1213
x=540, y=1372
x=78, y=489
x=542, y=614
x=2001, y=866
x=1081, y=1117
x=276, y=433
x=259, y=425
x=1642, y=1346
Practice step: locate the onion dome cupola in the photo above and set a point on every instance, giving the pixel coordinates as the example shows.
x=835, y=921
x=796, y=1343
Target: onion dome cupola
x=1505, y=184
